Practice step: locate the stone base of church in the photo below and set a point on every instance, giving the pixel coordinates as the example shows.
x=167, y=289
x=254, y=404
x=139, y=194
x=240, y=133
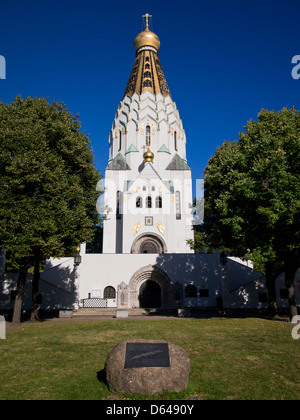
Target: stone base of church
x=164, y=281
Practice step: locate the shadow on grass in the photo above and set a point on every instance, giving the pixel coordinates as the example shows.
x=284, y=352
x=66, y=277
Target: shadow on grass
x=101, y=376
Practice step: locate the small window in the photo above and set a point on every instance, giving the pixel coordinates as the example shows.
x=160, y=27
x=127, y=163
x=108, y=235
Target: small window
x=190, y=291
x=139, y=202
x=109, y=292
x=148, y=134
x=175, y=141
x=147, y=83
x=144, y=188
x=118, y=204
x=148, y=202
x=178, y=205
x=147, y=66
x=147, y=74
x=158, y=202
x=204, y=293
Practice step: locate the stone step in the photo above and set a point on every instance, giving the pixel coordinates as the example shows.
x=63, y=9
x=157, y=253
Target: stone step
x=95, y=311
x=131, y=312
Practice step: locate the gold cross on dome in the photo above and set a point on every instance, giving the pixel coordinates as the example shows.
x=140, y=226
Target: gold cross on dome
x=147, y=17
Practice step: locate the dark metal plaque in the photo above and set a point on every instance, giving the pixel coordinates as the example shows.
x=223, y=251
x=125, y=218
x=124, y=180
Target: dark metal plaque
x=147, y=355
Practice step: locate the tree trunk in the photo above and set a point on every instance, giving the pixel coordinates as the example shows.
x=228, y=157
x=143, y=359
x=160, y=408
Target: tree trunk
x=290, y=268
x=35, y=288
x=270, y=283
x=24, y=266
x=291, y=265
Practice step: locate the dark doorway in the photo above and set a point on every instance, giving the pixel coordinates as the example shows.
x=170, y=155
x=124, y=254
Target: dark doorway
x=150, y=295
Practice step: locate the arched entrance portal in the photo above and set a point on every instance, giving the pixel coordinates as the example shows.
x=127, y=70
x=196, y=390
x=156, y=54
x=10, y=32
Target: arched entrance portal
x=150, y=294
x=150, y=287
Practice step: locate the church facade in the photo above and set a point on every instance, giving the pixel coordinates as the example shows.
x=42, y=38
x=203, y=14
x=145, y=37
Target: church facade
x=147, y=203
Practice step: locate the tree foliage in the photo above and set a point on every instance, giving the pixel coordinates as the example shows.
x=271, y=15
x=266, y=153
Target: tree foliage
x=252, y=192
x=47, y=181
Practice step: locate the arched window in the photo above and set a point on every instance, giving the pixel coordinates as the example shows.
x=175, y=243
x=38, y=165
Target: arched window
x=148, y=135
x=139, y=202
x=178, y=205
x=190, y=291
x=147, y=83
x=109, y=292
x=147, y=74
x=158, y=202
x=118, y=204
x=149, y=247
x=175, y=141
x=149, y=202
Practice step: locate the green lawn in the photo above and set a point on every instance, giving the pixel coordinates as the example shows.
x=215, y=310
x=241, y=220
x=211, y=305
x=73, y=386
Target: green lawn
x=247, y=358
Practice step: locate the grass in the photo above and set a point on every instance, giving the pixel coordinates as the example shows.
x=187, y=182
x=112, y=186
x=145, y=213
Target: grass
x=249, y=358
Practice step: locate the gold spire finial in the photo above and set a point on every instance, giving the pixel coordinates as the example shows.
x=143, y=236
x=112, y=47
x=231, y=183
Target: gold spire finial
x=147, y=21
x=147, y=73
x=147, y=38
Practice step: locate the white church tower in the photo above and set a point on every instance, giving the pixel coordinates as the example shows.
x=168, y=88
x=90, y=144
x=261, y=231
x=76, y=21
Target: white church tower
x=148, y=185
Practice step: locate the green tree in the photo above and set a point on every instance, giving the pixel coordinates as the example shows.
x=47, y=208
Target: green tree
x=47, y=186
x=252, y=197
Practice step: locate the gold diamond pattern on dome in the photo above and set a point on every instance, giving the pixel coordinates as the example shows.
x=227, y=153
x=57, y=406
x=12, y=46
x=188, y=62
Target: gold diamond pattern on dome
x=147, y=73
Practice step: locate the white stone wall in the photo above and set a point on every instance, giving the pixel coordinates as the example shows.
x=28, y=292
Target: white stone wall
x=64, y=287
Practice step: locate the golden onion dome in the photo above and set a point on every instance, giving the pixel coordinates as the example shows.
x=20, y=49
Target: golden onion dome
x=148, y=155
x=146, y=39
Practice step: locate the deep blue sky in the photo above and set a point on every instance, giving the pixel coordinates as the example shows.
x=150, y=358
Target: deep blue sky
x=223, y=60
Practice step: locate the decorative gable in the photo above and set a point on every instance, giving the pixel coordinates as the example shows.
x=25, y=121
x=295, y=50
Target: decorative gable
x=131, y=148
x=164, y=149
x=118, y=164
x=177, y=164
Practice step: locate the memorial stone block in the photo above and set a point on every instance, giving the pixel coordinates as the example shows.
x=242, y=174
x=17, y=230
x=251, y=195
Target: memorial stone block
x=147, y=367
